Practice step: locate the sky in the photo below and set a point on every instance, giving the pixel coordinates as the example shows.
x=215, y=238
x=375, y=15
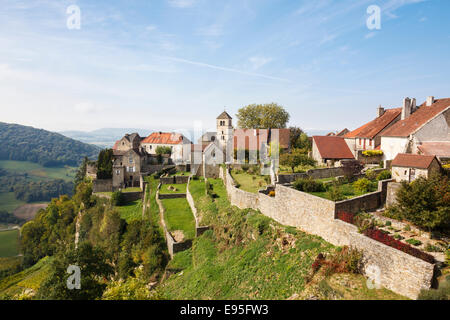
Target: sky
x=167, y=64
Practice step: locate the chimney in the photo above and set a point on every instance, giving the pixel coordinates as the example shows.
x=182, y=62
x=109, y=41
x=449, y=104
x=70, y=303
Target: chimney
x=406, y=109
x=430, y=101
x=413, y=105
x=380, y=111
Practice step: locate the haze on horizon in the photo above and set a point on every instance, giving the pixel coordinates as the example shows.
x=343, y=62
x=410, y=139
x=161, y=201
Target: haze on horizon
x=168, y=63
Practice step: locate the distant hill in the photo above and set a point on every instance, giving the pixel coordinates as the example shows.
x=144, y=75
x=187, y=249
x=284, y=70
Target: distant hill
x=105, y=137
x=40, y=146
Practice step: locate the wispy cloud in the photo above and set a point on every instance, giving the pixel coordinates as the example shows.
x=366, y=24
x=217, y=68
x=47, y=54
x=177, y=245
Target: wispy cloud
x=181, y=3
x=258, y=62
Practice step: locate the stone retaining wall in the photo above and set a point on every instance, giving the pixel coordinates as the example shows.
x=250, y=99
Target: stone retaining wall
x=174, y=180
x=392, y=268
x=320, y=173
x=172, y=195
x=199, y=229
x=102, y=185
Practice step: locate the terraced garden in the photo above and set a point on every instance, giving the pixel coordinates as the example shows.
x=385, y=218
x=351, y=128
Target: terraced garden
x=179, y=217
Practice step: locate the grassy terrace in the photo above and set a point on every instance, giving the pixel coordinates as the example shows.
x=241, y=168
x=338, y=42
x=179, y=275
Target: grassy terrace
x=347, y=190
x=248, y=182
x=9, y=243
x=180, y=188
x=131, y=211
x=249, y=256
x=179, y=216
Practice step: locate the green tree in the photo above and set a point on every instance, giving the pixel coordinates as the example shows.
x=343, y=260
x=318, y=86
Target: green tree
x=262, y=116
x=424, y=202
x=296, y=158
x=94, y=273
x=81, y=173
x=299, y=139
x=163, y=150
x=104, y=164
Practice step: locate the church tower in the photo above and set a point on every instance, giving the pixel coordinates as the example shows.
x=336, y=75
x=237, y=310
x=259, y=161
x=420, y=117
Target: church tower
x=225, y=131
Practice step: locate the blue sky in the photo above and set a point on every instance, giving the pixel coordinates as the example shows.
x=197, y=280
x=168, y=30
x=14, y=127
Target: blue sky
x=163, y=64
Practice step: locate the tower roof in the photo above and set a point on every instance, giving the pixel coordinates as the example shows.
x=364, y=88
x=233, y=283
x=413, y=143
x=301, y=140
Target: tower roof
x=224, y=115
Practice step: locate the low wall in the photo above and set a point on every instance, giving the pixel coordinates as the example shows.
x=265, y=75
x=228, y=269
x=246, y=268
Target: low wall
x=132, y=196
x=392, y=190
x=391, y=268
x=172, y=195
x=174, y=180
x=102, y=185
x=199, y=229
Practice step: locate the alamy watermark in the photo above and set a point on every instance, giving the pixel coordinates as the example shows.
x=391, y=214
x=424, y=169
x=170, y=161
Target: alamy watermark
x=74, y=19
x=373, y=22
x=74, y=280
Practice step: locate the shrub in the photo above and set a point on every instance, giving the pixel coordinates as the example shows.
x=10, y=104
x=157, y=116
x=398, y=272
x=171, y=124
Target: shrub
x=335, y=193
x=414, y=242
x=407, y=228
x=363, y=185
x=308, y=185
x=371, y=174
x=430, y=248
x=117, y=198
x=442, y=293
x=388, y=223
x=372, y=153
x=384, y=175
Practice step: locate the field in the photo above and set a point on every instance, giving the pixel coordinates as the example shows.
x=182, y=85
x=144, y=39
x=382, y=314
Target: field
x=179, y=216
x=8, y=202
x=28, y=211
x=37, y=172
x=9, y=243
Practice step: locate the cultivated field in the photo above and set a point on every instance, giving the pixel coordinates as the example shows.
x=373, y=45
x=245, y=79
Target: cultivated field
x=37, y=172
x=9, y=243
x=28, y=211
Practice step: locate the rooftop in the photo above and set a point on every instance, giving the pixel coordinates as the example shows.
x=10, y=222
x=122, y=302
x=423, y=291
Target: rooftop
x=374, y=127
x=164, y=138
x=332, y=147
x=412, y=161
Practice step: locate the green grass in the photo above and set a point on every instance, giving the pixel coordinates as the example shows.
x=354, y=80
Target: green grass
x=197, y=188
x=179, y=216
x=288, y=170
x=249, y=182
x=8, y=202
x=37, y=172
x=131, y=190
x=131, y=211
x=181, y=188
x=9, y=243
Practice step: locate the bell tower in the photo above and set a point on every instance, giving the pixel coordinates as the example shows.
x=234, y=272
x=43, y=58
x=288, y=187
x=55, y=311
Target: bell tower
x=225, y=130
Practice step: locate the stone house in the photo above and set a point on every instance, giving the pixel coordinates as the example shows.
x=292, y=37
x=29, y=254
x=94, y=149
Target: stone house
x=330, y=149
x=129, y=141
x=421, y=130
x=408, y=167
x=368, y=136
x=180, y=146
x=128, y=167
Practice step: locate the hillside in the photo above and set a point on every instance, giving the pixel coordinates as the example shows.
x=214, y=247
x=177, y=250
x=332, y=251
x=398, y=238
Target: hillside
x=47, y=148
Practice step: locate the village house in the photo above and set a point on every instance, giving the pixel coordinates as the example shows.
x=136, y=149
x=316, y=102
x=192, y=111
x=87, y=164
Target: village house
x=368, y=136
x=408, y=167
x=330, y=150
x=341, y=133
x=179, y=145
x=421, y=130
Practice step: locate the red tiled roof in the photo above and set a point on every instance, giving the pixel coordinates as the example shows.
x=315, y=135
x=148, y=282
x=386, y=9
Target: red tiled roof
x=252, y=139
x=331, y=147
x=164, y=138
x=374, y=127
x=412, y=161
x=404, y=128
x=116, y=145
x=440, y=149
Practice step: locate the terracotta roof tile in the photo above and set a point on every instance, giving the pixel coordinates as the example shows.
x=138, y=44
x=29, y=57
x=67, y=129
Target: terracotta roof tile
x=331, y=147
x=404, y=128
x=440, y=149
x=164, y=138
x=412, y=161
x=374, y=127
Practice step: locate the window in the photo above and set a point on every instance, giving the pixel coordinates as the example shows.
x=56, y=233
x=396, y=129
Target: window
x=130, y=160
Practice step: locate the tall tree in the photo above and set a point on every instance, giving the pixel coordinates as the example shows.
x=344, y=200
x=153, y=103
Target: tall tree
x=262, y=116
x=299, y=139
x=104, y=164
x=296, y=158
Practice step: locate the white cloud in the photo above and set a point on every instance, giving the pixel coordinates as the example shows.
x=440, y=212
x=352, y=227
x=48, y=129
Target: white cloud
x=370, y=35
x=214, y=30
x=258, y=62
x=181, y=3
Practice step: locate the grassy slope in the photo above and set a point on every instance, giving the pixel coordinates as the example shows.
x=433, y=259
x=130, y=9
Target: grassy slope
x=30, y=278
x=181, y=188
x=270, y=264
x=179, y=216
x=38, y=171
x=9, y=243
x=131, y=211
x=8, y=202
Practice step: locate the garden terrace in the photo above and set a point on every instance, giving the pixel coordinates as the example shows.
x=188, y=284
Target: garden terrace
x=179, y=218
x=131, y=211
x=172, y=188
x=249, y=182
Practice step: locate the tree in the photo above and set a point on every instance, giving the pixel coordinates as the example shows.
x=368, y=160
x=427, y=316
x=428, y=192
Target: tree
x=94, y=269
x=262, y=116
x=163, y=150
x=104, y=164
x=424, y=202
x=81, y=173
x=296, y=158
x=299, y=139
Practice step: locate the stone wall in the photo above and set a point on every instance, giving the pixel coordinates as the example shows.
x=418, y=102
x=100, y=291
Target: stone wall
x=392, y=190
x=174, y=180
x=104, y=185
x=172, y=195
x=199, y=229
x=391, y=268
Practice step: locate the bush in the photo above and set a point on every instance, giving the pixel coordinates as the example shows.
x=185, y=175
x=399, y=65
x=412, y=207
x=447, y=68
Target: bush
x=308, y=185
x=117, y=198
x=414, y=242
x=442, y=293
x=384, y=175
x=372, y=153
x=430, y=248
x=388, y=223
x=364, y=185
x=371, y=174
x=335, y=193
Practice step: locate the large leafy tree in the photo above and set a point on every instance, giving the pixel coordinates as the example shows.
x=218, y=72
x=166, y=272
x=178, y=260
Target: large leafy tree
x=262, y=116
x=104, y=164
x=296, y=158
x=299, y=139
x=424, y=202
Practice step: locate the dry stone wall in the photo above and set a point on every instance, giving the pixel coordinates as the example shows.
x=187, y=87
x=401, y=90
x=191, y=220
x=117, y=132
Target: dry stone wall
x=389, y=267
x=199, y=229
